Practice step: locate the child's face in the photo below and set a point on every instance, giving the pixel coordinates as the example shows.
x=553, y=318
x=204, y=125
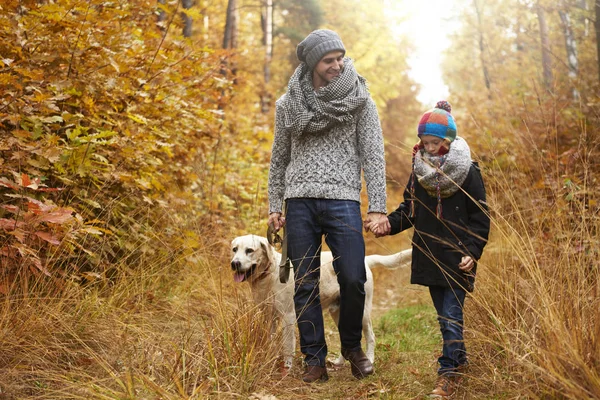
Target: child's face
x=432, y=144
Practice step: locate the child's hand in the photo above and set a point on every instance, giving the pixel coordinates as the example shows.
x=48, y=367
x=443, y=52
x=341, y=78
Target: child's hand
x=466, y=264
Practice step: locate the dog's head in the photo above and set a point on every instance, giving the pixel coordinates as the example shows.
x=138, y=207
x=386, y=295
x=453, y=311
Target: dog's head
x=251, y=256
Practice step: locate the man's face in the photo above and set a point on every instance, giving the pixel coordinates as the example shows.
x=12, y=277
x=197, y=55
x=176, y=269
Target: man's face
x=329, y=67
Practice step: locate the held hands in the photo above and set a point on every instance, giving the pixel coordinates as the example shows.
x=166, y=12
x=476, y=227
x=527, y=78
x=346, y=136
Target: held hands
x=277, y=220
x=377, y=223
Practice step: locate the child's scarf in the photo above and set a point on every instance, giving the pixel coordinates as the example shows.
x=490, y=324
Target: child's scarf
x=441, y=175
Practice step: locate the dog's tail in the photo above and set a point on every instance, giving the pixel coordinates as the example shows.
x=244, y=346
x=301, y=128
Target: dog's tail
x=393, y=261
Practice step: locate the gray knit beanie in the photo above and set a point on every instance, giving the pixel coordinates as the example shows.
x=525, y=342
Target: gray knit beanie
x=317, y=44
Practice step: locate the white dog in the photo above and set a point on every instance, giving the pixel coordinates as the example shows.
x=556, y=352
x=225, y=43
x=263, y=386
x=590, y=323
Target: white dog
x=255, y=261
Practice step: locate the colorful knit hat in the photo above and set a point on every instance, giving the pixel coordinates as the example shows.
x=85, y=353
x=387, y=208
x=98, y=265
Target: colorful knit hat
x=317, y=44
x=438, y=122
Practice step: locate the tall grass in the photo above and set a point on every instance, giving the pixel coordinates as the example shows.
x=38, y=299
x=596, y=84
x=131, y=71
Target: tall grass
x=174, y=328
x=534, y=323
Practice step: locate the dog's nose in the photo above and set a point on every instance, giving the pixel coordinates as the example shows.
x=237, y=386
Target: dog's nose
x=236, y=265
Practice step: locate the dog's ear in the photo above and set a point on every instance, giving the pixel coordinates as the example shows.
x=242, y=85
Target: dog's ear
x=267, y=250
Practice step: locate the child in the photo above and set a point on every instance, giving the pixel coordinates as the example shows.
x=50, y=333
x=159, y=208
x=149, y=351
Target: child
x=444, y=201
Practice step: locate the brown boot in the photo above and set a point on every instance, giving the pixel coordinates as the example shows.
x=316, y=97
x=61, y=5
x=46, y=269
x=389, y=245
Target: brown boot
x=314, y=373
x=445, y=387
x=359, y=363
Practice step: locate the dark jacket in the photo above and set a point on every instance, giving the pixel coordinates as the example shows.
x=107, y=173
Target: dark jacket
x=439, y=244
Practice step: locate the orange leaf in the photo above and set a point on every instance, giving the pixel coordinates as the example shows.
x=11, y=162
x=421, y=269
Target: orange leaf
x=8, y=183
x=11, y=208
x=19, y=234
x=59, y=216
x=9, y=224
x=36, y=261
x=25, y=181
x=48, y=237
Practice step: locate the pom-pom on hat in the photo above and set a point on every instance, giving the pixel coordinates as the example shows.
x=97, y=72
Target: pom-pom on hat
x=317, y=44
x=438, y=122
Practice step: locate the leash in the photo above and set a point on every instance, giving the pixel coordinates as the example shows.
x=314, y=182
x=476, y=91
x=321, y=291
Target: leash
x=275, y=240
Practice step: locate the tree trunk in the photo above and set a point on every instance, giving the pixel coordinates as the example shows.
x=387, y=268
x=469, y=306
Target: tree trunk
x=162, y=15
x=231, y=26
x=486, y=75
x=268, y=37
x=583, y=5
x=571, y=47
x=546, y=56
x=204, y=23
x=187, y=20
x=267, y=25
x=230, y=38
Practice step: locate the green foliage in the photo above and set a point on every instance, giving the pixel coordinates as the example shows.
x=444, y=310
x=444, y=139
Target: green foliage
x=409, y=330
x=298, y=18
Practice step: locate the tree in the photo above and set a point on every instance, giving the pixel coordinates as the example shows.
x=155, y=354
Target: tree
x=267, y=28
x=293, y=21
x=545, y=41
x=486, y=75
x=570, y=46
x=187, y=19
x=230, y=37
x=162, y=14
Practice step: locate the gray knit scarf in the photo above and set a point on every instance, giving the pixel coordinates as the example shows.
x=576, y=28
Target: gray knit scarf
x=313, y=111
x=441, y=176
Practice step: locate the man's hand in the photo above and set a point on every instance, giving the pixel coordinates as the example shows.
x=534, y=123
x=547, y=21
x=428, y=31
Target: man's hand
x=466, y=264
x=377, y=223
x=277, y=220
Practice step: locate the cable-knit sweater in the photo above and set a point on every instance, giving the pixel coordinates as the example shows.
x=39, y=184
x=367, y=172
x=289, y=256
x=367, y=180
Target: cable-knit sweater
x=328, y=165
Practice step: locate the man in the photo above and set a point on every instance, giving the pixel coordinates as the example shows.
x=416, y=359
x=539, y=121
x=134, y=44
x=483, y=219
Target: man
x=327, y=131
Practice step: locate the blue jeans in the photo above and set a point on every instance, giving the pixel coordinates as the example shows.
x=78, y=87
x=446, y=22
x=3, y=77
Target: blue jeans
x=340, y=221
x=449, y=305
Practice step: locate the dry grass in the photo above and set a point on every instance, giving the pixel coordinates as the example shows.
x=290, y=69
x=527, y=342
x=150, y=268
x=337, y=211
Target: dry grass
x=154, y=332
x=191, y=333
x=185, y=330
x=537, y=308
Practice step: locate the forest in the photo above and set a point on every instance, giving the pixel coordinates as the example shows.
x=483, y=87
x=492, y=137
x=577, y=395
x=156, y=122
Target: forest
x=135, y=141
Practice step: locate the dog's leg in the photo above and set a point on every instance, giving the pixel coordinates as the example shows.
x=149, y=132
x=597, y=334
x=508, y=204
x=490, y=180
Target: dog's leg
x=338, y=362
x=367, y=325
x=289, y=339
x=334, y=311
x=369, y=335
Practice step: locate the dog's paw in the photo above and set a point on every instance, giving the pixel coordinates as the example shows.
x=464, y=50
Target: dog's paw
x=285, y=366
x=336, y=363
x=284, y=371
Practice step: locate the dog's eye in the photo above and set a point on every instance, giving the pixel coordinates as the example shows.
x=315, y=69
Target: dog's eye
x=249, y=251
x=234, y=249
